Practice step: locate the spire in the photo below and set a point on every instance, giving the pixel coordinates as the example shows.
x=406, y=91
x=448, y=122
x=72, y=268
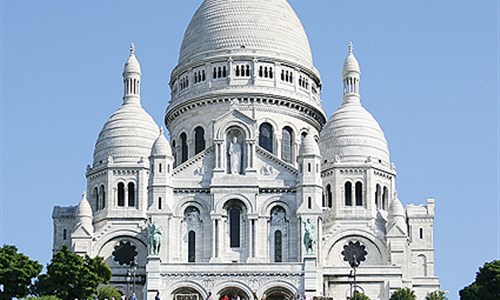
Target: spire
x=397, y=214
x=132, y=79
x=84, y=213
x=350, y=77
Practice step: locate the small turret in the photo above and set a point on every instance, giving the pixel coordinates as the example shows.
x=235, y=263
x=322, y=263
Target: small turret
x=84, y=214
x=132, y=79
x=397, y=215
x=350, y=76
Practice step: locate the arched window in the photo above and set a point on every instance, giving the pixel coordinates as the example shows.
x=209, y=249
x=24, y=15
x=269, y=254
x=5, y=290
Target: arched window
x=65, y=234
x=234, y=227
x=96, y=197
x=266, y=136
x=385, y=198
x=348, y=193
x=278, y=246
x=159, y=203
x=191, y=246
x=421, y=233
x=286, y=144
x=121, y=194
x=421, y=265
x=329, y=197
x=199, y=140
x=103, y=197
x=378, y=192
x=184, y=147
x=309, y=202
x=131, y=194
x=359, y=194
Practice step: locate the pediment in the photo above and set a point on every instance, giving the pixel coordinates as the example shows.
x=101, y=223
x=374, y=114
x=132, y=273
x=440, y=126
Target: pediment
x=234, y=118
x=81, y=232
x=396, y=231
x=198, y=170
x=274, y=170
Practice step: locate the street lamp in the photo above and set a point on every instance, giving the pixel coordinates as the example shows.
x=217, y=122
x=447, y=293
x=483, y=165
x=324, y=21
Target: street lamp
x=128, y=277
x=354, y=253
x=133, y=266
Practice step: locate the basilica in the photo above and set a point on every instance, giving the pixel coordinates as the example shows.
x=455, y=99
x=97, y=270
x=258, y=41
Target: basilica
x=257, y=193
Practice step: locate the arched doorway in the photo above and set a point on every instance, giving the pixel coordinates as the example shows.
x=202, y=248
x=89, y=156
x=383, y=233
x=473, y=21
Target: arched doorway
x=278, y=293
x=186, y=293
x=232, y=293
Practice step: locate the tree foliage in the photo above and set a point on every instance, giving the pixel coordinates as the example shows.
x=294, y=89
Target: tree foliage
x=487, y=283
x=108, y=292
x=360, y=296
x=70, y=276
x=436, y=295
x=16, y=272
x=403, y=294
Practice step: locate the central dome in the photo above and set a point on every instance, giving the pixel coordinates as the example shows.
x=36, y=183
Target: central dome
x=269, y=26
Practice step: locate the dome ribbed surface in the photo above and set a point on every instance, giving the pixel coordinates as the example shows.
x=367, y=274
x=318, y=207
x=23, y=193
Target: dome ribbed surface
x=309, y=146
x=128, y=135
x=161, y=146
x=351, y=64
x=267, y=25
x=132, y=65
x=354, y=135
x=84, y=209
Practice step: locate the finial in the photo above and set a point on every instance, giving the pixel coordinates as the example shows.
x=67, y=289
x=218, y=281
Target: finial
x=132, y=48
x=350, y=47
x=161, y=130
x=84, y=195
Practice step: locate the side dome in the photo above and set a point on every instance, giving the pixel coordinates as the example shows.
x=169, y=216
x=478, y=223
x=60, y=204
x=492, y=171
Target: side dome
x=128, y=135
x=161, y=146
x=130, y=132
x=269, y=26
x=309, y=146
x=354, y=135
x=83, y=209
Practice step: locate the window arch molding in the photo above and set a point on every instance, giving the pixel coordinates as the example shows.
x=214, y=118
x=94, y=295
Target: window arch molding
x=221, y=130
x=273, y=202
x=199, y=139
x=222, y=203
x=184, y=203
x=267, y=135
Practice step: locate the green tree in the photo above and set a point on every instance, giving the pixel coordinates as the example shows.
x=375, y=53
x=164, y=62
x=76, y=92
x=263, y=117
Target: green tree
x=360, y=296
x=108, y=292
x=436, y=295
x=487, y=283
x=403, y=294
x=43, y=298
x=16, y=272
x=70, y=276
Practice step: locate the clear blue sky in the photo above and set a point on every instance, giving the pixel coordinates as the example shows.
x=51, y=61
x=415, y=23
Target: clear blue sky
x=429, y=76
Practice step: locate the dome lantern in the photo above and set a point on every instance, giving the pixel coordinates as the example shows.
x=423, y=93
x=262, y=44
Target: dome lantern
x=132, y=79
x=350, y=77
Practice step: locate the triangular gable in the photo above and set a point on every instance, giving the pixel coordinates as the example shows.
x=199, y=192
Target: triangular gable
x=198, y=169
x=80, y=232
x=234, y=117
x=396, y=231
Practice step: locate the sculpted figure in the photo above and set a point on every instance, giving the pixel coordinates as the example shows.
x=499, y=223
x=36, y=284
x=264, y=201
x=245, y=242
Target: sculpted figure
x=309, y=236
x=154, y=238
x=235, y=156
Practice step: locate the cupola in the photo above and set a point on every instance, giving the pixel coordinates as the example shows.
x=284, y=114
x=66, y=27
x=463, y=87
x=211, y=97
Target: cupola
x=352, y=134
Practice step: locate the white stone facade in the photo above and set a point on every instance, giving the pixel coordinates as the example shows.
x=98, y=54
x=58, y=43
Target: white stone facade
x=252, y=164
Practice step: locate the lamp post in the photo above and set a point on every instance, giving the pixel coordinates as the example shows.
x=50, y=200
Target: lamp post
x=354, y=253
x=128, y=277
x=133, y=266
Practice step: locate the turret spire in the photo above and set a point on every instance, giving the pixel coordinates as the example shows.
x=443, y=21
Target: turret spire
x=350, y=76
x=132, y=79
